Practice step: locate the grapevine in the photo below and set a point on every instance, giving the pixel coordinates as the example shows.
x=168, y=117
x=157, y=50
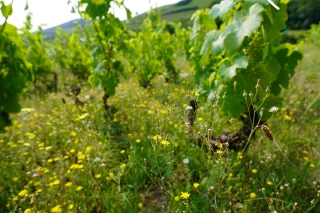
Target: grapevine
x=15, y=71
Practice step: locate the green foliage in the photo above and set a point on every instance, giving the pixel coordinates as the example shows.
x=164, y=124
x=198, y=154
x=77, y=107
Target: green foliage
x=179, y=12
x=60, y=157
x=15, y=70
x=302, y=14
x=107, y=43
x=72, y=52
x=246, y=48
x=315, y=34
x=152, y=50
x=37, y=53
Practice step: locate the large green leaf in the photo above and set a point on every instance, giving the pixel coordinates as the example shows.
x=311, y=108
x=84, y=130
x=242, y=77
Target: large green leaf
x=273, y=22
x=6, y=9
x=288, y=60
x=210, y=37
x=218, y=45
x=228, y=70
x=235, y=104
x=245, y=27
x=218, y=10
x=273, y=67
x=96, y=10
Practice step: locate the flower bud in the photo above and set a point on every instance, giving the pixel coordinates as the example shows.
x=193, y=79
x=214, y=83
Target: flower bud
x=250, y=94
x=294, y=181
x=244, y=93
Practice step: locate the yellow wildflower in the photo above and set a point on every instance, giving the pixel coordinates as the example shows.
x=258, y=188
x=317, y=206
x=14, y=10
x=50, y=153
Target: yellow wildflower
x=68, y=184
x=185, y=195
x=196, y=185
x=88, y=149
x=165, y=143
x=56, y=209
x=287, y=118
x=27, y=110
x=79, y=188
x=111, y=175
x=140, y=205
x=254, y=171
x=157, y=137
x=219, y=152
x=73, y=134
x=56, y=182
x=252, y=195
x=30, y=135
x=48, y=148
x=82, y=116
x=76, y=166
x=23, y=192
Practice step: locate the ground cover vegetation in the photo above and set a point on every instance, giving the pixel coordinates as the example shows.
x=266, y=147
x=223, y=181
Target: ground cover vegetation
x=220, y=117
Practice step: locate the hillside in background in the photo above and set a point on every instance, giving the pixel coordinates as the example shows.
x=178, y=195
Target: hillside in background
x=181, y=11
x=301, y=15
x=67, y=27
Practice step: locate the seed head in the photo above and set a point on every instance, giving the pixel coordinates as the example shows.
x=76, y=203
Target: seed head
x=267, y=132
x=244, y=93
x=224, y=96
x=267, y=90
x=261, y=112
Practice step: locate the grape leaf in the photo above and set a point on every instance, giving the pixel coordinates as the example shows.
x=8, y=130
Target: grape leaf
x=210, y=37
x=274, y=68
x=6, y=10
x=288, y=62
x=273, y=22
x=234, y=104
x=218, y=10
x=218, y=45
x=246, y=25
x=228, y=70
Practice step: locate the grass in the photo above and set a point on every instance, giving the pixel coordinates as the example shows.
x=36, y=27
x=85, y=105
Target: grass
x=58, y=157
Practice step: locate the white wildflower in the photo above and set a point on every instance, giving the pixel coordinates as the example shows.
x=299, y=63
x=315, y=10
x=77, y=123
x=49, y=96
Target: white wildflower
x=273, y=109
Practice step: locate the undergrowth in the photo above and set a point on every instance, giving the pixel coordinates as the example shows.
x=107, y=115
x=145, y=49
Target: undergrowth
x=141, y=156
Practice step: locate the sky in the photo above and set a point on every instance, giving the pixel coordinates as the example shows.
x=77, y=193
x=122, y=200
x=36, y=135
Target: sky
x=50, y=13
